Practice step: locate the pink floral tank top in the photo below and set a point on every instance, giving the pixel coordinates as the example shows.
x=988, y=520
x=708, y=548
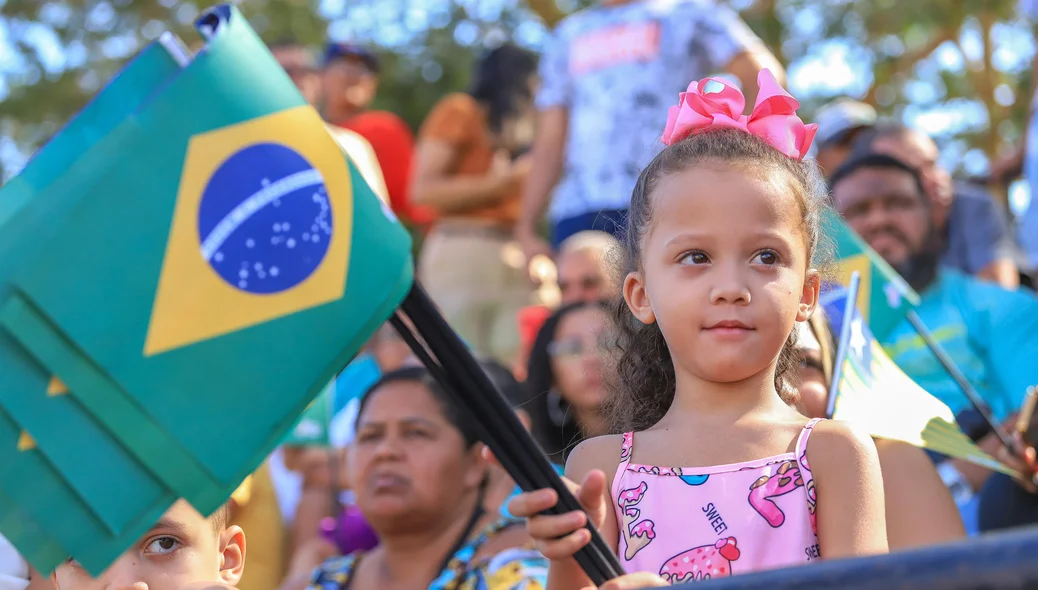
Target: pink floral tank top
x=695, y=524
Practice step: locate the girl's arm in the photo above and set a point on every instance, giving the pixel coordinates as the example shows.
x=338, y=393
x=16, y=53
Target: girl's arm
x=920, y=509
x=850, y=512
x=596, y=454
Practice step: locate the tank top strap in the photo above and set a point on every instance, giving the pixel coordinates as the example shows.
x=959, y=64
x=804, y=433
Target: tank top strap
x=626, y=450
x=805, y=470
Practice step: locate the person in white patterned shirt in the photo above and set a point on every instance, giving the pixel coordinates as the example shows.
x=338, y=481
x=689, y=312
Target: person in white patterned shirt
x=608, y=75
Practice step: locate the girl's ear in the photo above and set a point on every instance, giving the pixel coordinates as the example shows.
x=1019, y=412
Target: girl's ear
x=637, y=298
x=809, y=296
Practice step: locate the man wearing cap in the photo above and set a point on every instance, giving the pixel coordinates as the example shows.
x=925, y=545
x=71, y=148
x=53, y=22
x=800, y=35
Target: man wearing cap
x=301, y=66
x=839, y=123
x=350, y=81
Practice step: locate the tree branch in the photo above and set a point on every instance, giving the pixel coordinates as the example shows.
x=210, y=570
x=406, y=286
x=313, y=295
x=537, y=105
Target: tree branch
x=547, y=10
x=905, y=60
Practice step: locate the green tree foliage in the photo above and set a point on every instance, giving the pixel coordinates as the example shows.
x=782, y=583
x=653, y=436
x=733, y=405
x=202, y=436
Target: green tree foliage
x=962, y=67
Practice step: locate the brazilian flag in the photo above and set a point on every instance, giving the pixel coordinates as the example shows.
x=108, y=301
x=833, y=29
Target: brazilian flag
x=884, y=297
x=870, y=390
x=182, y=270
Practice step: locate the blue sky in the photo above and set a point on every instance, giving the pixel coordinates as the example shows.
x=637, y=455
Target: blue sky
x=833, y=67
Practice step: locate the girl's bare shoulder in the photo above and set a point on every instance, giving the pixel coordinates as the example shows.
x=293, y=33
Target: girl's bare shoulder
x=600, y=452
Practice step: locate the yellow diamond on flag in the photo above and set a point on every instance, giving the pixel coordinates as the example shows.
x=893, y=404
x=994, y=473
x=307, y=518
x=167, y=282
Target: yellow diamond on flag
x=26, y=442
x=862, y=265
x=56, y=387
x=261, y=229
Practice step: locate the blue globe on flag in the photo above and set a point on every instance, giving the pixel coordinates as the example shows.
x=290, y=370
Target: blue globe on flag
x=265, y=220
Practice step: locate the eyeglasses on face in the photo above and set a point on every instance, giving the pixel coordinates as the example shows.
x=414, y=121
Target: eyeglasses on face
x=578, y=347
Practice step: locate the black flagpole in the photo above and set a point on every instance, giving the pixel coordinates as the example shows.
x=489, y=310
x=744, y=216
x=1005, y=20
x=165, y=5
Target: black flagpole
x=453, y=366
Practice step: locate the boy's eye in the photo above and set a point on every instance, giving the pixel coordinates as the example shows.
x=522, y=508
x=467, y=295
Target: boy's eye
x=162, y=545
x=695, y=258
x=767, y=257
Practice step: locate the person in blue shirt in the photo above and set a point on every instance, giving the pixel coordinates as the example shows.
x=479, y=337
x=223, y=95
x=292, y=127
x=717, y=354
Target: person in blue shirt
x=989, y=332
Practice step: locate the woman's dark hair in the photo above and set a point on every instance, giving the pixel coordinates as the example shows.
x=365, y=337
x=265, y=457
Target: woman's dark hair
x=458, y=417
x=644, y=377
x=555, y=439
x=502, y=82
x=505, y=382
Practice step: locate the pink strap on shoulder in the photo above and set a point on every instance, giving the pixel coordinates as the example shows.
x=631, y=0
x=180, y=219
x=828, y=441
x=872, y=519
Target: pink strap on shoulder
x=626, y=449
x=805, y=471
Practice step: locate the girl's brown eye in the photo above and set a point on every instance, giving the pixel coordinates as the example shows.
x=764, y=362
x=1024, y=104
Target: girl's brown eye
x=695, y=258
x=767, y=257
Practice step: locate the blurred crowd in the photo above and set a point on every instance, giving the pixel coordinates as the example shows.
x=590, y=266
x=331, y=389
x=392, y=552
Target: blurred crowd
x=568, y=136
x=562, y=137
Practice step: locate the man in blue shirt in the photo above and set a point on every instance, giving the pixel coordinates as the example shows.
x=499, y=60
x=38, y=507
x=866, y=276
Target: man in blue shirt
x=990, y=333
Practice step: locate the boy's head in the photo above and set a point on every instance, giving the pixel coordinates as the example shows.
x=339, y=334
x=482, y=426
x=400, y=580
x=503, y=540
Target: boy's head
x=184, y=548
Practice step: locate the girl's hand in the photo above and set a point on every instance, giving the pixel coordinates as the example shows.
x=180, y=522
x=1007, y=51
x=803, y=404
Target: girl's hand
x=559, y=536
x=635, y=581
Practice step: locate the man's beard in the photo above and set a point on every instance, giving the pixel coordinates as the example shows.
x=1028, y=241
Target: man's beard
x=920, y=268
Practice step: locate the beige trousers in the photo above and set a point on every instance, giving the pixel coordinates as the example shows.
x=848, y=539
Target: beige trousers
x=477, y=277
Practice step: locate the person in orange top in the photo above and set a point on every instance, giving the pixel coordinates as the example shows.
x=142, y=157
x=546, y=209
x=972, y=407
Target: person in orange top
x=350, y=81
x=469, y=167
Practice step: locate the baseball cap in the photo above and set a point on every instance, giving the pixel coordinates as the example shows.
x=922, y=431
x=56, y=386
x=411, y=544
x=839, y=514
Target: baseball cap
x=840, y=117
x=335, y=51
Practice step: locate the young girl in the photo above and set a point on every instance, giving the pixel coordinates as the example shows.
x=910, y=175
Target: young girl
x=716, y=474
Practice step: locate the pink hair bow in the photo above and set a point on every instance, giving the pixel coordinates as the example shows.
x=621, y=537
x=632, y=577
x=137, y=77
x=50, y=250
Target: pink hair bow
x=774, y=118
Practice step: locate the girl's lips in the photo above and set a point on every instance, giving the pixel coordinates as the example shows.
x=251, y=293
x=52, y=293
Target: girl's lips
x=729, y=325
x=729, y=332
x=728, y=329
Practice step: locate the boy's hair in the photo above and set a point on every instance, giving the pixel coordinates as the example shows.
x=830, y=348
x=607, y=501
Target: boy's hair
x=644, y=387
x=221, y=518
